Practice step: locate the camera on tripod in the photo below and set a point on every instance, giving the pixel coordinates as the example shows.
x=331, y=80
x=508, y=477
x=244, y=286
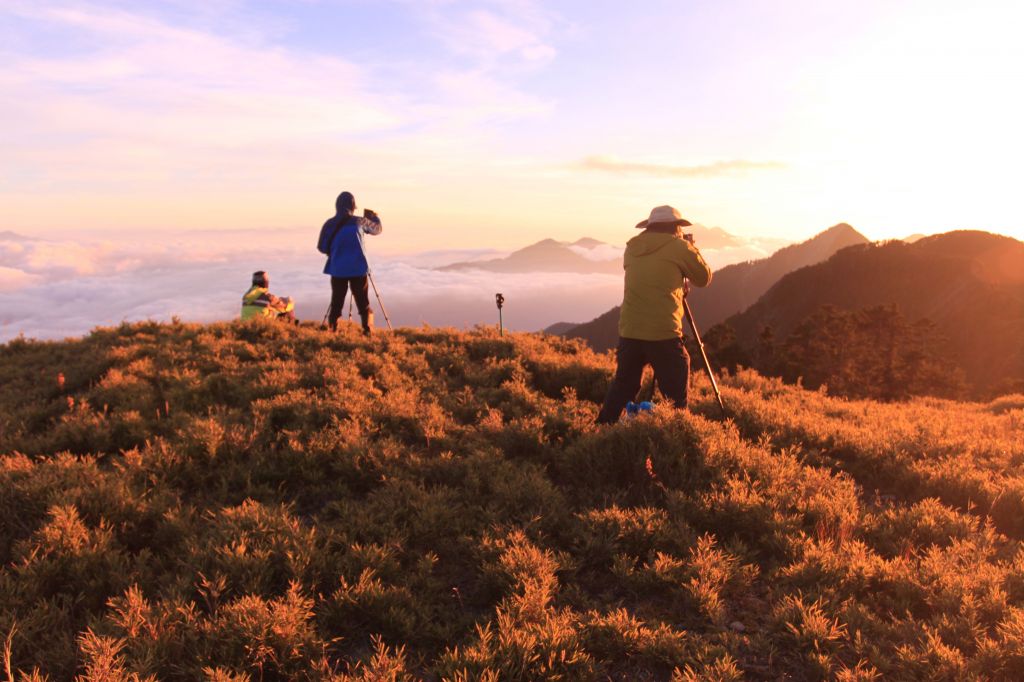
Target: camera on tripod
x=500, y=301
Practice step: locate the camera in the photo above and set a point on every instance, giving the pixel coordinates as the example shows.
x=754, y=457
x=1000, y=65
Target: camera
x=500, y=300
x=688, y=236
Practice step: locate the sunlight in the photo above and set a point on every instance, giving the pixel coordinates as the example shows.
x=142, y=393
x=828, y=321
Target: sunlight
x=921, y=125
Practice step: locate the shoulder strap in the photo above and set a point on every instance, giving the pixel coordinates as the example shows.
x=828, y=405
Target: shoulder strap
x=337, y=229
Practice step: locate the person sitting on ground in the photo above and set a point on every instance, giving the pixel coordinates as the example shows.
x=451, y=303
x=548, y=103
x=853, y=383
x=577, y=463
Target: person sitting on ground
x=341, y=240
x=657, y=263
x=259, y=302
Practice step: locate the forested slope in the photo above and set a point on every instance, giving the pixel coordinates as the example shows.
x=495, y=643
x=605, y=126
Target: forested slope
x=970, y=284
x=255, y=501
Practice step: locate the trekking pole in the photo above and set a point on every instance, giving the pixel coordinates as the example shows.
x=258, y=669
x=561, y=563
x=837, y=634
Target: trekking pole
x=703, y=354
x=377, y=294
x=500, y=300
x=350, y=306
x=323, y=325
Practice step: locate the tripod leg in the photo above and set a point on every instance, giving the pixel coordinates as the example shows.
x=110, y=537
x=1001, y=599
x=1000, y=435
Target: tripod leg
x=379, y=302
x=704, y=356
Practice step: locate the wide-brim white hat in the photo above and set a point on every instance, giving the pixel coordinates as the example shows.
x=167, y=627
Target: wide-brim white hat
x=664, y=215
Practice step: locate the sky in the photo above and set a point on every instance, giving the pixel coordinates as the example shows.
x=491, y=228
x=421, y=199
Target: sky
x=153, y=154
x=495, y=123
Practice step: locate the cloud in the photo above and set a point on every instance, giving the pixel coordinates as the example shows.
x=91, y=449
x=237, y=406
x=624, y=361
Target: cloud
x=12, y=279
x=753, y=249
x=66, y=289
x=493, y=43
x=137, y=102
x=140, y=77
x=53, y=289
x=599, y=253
x=57, y=261
x=611, y=164
x=466, y=298
x=440, y=257
x=481, y=96
x=514, y=30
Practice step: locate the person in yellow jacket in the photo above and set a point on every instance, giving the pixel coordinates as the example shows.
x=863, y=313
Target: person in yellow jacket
x=259, y=302
x=657, y=261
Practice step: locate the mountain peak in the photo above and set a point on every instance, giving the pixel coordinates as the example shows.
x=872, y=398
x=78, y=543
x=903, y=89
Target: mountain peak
x=844, y=230
x=545, y=243
x=551, y=255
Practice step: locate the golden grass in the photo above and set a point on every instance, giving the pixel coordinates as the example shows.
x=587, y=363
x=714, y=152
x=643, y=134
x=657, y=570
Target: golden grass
x=258, y=502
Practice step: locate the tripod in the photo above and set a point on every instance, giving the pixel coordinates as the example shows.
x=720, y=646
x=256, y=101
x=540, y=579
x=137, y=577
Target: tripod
x=323, y=324
x=703, y=353
x=647, y=390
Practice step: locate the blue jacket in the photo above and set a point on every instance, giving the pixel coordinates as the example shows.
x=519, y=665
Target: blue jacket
x=341, y=239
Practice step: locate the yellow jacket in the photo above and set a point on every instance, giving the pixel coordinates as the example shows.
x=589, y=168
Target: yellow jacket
x=259, y=302
x=652, y=302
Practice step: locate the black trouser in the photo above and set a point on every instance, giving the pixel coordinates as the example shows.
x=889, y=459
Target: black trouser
x=671, y=365
x=360, y=291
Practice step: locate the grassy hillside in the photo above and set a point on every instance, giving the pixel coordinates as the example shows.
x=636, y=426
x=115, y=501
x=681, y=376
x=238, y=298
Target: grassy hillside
x=245, y=502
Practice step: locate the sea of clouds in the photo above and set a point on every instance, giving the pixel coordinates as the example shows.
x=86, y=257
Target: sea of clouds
x=53, y=289
x=57, y=288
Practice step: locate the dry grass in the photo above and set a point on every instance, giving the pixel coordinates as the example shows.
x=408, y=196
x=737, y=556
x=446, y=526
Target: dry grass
x=259, y=502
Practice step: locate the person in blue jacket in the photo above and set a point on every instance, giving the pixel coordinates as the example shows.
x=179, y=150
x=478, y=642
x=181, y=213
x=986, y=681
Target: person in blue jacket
x=341, y=240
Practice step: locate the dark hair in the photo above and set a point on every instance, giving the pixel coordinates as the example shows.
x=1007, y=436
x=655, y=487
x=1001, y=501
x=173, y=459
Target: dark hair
x=259, y=278
x=345, y=203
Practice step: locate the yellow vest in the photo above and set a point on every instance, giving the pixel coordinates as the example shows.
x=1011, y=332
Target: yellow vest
x=652, y=301
x=256, y=303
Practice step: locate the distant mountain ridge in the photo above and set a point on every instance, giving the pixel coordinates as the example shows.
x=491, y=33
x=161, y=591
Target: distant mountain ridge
x=970, y=283
x=713, y=237
x=8, y=235
x=585, y=255
x=548, y=255
x=734, y=287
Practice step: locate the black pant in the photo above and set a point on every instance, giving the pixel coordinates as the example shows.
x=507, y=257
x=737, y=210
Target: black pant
x=671, y=365
x=360, y=291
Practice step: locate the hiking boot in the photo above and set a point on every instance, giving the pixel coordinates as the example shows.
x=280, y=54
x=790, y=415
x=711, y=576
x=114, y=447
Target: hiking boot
x=367, y=322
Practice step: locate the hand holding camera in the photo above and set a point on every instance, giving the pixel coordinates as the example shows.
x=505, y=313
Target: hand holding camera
x=367, y=213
